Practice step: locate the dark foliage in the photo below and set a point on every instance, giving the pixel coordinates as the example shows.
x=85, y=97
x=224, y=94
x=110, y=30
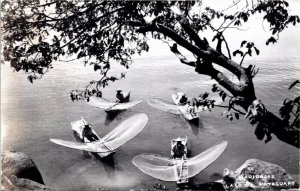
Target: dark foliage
x=290, y=111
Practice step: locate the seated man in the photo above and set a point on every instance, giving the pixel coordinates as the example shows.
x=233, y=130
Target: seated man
x=178, y=150
x=88, y=133
x=190, y=107
x=120, y=97
x=183, y=100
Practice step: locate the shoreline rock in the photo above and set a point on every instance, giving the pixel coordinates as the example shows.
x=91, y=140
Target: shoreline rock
x=19, y=172
x=21, y=166
x=21, y=184
x=258, y=175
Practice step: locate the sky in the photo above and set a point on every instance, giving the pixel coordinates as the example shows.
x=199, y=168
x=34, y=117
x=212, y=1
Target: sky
x=256, y=31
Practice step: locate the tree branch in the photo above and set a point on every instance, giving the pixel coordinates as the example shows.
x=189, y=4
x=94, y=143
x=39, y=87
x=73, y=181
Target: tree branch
x=192, y=34
x=181, y=57
x=227, y=47
x=210, y=53
x=243, y=58
x=152, y=27
x=206, y=68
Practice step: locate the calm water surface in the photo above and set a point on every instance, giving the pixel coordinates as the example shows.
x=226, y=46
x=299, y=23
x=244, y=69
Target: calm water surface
x=33, y=113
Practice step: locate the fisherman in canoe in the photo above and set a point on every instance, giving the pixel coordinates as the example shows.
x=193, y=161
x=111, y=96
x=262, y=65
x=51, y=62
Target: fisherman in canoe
x=88, y=133
x=120, y=96
x=190, y=107
x=183, y=100
x=106, y=145
x=178, y=150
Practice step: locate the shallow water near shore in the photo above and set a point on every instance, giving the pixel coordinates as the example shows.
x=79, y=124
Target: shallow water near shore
x=33, y=113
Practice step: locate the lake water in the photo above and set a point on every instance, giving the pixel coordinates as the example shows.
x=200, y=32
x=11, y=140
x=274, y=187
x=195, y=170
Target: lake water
x=33, y=113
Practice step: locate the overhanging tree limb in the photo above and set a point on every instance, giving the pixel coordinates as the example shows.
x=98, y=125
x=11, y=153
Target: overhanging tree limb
x=192, y=34
x=209, y=54
x=206, y=68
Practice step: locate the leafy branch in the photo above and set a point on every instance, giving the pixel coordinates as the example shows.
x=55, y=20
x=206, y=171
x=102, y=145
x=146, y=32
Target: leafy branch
x=249, y=46
x=290, y=109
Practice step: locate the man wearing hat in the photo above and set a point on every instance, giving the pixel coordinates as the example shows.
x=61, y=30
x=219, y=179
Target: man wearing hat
x=178, y=149
x=120, y=97
x=88, y=133
x=183, y=100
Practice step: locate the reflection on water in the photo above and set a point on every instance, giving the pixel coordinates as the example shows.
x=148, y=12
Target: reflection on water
x=195, y=125
x=108, y=164
x=33, y=113
x=86, y=155
x=110, y=116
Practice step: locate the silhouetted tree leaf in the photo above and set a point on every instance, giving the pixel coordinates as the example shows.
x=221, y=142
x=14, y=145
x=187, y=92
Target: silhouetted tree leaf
x=271, y=40
x=250, y=52
x=237, y=23
x=214, y=88
x=30, y=79
x=224, y=96
x=238, y=52
x=237, y=116
x=256, y=50
x=297, y=100
x=243, y=42
x=259, y=131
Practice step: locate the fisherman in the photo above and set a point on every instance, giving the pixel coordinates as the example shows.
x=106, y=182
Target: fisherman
x=88, y=133
x=178, y=150
x=194, y=102
x=183, y=100
x=190, y=107
x=120, y=97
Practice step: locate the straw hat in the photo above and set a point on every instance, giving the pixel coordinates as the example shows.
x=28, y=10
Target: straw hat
x=179, y=139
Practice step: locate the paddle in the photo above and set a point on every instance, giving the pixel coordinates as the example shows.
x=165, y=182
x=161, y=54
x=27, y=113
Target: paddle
x=105, y=99
x=117, y=102
x=84, y=121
